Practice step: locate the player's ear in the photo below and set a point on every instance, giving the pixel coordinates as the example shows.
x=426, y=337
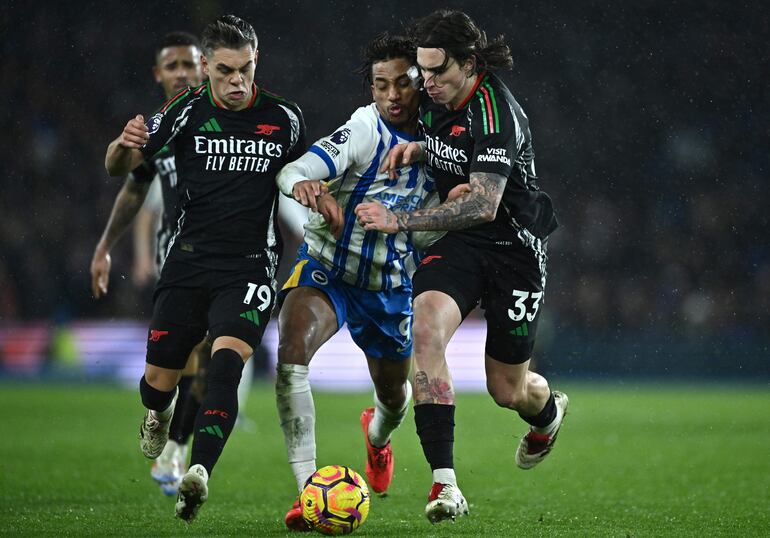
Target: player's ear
x=256, y=58
x=205, y=65
x=469, y=66
x=156, y=73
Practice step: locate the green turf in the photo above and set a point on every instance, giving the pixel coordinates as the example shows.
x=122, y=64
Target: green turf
x=638, y=460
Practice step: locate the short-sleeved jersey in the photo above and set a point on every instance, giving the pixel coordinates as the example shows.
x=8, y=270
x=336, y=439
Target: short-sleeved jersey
x=489, y=132
x=352, y=157
x=163, y=166
x=226, y=164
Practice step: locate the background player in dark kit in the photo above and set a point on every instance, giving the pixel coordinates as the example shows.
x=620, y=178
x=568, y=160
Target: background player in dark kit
x=177, y=66
x=494, y=254
x=231, y=139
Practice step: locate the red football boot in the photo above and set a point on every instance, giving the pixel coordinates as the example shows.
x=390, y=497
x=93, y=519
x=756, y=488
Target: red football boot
x=379, y=461
x=294, y=519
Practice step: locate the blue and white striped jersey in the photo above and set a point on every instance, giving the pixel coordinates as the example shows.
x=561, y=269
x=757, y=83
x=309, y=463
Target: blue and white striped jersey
x=351, y=158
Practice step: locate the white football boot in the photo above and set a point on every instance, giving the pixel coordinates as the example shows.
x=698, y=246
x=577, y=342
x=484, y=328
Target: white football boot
x=534, y=447
x=153, y=433
x=445, y=501
x=168, y=469
x=193, y=492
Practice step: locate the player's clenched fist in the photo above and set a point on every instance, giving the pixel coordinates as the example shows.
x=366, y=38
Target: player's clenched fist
x=135, y=133
x=375, y=216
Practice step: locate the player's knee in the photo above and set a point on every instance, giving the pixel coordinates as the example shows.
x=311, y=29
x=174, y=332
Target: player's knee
x=161, y=379
x=427, y=338
x=225, y=368
x=506, y=395
x=294, y=349
x=391, y=396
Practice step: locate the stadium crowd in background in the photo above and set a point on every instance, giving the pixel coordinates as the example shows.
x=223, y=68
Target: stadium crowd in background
x=648, y=124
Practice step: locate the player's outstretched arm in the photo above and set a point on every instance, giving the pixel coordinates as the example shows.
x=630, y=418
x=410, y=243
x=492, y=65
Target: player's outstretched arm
x=123, y=153
x=422, y=239
x=303, y=181
x=127, y=204
x=402, y=155
x=477, y=206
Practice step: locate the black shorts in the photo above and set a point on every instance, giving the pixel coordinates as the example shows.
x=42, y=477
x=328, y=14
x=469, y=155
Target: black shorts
x=224, y=295
x=508, y=281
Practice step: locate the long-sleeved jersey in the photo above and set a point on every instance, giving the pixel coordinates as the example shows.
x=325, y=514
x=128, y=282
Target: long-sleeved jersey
x=351, y=157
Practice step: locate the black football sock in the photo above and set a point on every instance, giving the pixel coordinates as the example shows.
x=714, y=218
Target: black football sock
x=219, y=409
x=181, y=402
x=154, y=399
x=545, y=417
x=435, y=427
x=187, y=423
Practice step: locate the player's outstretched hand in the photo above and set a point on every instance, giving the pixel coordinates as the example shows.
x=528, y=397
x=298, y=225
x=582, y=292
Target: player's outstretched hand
x=100, y=273
x=135, y=133
x=401, y=155
x=307, y=191
x=332, y=213
x=375, y=216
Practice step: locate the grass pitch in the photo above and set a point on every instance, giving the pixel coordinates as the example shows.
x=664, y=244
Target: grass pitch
x=632, y=460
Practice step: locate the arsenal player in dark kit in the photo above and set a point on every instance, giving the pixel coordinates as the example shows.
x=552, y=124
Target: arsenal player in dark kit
x=494, y=253
x=231, y=138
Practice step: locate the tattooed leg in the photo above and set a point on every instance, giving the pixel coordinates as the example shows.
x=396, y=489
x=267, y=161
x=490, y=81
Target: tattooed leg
x=438, y=390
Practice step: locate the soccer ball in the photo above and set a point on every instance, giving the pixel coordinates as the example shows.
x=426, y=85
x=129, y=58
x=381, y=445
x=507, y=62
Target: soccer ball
x=335, y=500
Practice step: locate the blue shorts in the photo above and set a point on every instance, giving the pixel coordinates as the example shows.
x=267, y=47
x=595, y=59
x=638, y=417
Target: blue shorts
x=380, y=322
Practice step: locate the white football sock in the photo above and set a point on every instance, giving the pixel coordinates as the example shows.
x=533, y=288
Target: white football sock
x=445, y=476
x=182, y=454
x=168, y=452
x=386, y=420
x=244, y=387
x=297, y=413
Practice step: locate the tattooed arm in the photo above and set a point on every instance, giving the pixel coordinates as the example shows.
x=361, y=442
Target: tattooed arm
x=476, y=207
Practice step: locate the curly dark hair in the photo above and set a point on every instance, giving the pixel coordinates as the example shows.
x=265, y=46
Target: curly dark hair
x=385, y=47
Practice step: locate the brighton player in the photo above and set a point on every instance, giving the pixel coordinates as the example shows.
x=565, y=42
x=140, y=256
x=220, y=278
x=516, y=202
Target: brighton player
x=231, y=139
x=345, y=274
x=475, y=131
